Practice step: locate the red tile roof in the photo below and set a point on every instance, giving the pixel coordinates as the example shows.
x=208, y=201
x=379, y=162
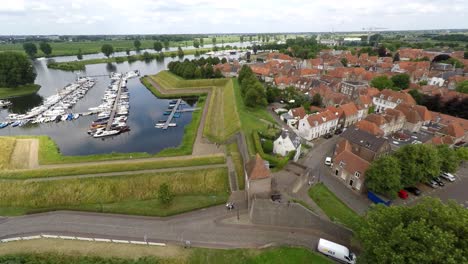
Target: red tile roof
x=298, y=112
x=257, y=169
x=370, y=128
x=349, y=109
x=351, y=162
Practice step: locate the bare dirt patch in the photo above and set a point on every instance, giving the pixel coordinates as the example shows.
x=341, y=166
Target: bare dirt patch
x=25, y=154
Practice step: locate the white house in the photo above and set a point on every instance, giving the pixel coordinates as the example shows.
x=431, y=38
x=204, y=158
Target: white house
x=389, y=99
x=318, y=124
x=437, y=81
x=286, y=143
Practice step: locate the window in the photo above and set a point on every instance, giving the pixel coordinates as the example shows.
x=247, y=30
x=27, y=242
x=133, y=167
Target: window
x=357, y=174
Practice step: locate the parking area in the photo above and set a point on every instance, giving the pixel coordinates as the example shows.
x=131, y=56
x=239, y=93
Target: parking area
x=405, y=137
x=456, y=190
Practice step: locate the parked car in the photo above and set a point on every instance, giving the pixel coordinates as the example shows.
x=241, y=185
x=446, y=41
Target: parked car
x=439, y=181
x=448, y=176
x=276, y=197
x=327, y=136
x=338, y=131
x=433, y=184
x=413, y=190
x=403, y=194
x=328, y=161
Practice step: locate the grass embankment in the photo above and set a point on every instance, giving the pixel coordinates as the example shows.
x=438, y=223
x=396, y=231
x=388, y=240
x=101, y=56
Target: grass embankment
x=19, y=91
x=88, y=47
x=334, y=207
x=7, y=145
x=74, y=252
x=79, y=65
x=136, y=194
x=233, y=151
x=222, y=119
x=83, y=169
x=252, y=119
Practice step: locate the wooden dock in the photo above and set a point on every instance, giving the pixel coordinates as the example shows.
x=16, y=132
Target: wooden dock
x=116, y=105
x=171, y=116
x=187, y=110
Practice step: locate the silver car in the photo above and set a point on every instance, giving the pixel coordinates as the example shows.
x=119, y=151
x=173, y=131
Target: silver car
x=448, y=176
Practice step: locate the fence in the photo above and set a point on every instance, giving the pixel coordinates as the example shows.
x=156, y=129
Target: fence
x=105, y=240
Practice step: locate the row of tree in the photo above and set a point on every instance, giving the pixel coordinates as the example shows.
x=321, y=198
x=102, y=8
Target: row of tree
x=31, y=49
x=194, y=69
x=252, y=90
x=410, y=165
x=397, y=82
x=15, y=69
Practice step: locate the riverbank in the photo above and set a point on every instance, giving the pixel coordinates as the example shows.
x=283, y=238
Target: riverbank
x=80, y=65
x=90, y=47
x=18, y=91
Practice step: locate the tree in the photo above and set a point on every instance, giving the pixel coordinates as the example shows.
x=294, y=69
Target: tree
x=15, y=69
x=255, y=49
x=158, y=46
x=402, y=81
x=45, y=48
x=244, y=72
x=465, y=55
x=80, y=55
x=462, y=154
x=344, y=61
x=196, y=43
x=30, y=49
x=383, y=176
x=382, y=82
x=242, y=39
x=213, y=40
x=201, y=42
x=137, y=44
x=180, y=52
x=382, y=51
x=127, y=51
x=419, y=163
x=448, y=158
x=146, y=56
x=415, y=234
x=223, y=60
x=165, y=195
x=317, y=100
x=417, y=96
x=107, y=49
x=396, y=57
x=166, y=44
x=218, y=74
x=462, y=87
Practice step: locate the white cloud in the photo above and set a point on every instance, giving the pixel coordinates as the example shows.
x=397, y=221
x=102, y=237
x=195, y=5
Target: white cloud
x=206, y=16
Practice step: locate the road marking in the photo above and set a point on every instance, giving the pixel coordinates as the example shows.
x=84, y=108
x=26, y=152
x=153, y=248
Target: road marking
x=157, y=244
x=120, y=241
x=31, y=237
x=67, y=237
x=102, y=240
x=84, y=239
x=138, y=242
x=49, y=236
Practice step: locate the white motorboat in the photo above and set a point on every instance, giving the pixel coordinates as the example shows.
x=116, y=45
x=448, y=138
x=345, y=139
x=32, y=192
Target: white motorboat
x=106, y=133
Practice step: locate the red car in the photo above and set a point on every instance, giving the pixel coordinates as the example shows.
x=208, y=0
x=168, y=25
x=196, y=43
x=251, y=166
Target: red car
x=403, y=194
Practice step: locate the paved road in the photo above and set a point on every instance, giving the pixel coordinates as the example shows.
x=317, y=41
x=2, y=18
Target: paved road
x=203, y=228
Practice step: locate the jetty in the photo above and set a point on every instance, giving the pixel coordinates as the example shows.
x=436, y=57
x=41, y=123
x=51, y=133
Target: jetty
x=171, y=116
x=115, y=107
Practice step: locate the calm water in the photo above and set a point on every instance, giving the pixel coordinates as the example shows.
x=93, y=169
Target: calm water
x=71, y=136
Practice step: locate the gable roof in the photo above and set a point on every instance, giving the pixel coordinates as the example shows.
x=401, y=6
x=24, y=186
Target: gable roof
x=298, y=112
x=320, y=118
x=351, y=162
x=370, y=127
x=395, y=96
x=295, y=140
x=257, y=169
x=349, y=109
x=364, y=139
x=455, y=130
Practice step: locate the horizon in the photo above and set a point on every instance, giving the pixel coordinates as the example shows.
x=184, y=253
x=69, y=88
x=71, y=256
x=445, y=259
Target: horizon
x=155, y=17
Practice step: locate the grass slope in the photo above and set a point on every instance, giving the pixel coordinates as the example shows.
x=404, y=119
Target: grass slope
x=233, y=151
x=334, y=207
x=7, y=145
x=18, y=91
x=74, y=252
x=135, y=194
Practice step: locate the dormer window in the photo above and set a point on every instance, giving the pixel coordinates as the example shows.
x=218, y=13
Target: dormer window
x=398, y=101
x=357, y=174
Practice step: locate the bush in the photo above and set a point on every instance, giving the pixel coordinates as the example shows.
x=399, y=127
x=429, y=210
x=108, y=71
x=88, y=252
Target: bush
x=267, y=146
x=165, y=196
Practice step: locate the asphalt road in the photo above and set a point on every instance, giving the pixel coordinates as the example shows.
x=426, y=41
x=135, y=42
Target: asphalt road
x=203, y=228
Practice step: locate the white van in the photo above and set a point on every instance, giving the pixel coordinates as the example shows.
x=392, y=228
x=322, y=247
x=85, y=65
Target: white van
x=336, y=251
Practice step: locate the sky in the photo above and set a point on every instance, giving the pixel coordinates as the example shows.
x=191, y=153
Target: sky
x=74, y=17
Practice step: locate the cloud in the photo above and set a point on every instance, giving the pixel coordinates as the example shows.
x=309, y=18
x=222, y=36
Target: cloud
x=215, y=16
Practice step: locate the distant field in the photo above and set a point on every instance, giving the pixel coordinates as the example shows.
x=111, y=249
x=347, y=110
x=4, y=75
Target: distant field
x=78, y=252
x=136, y=194
x=88, y=47
x=7, y=145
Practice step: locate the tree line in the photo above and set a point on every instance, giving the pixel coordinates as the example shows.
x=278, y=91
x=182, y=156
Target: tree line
x=31, y=49
x=252, y=90
x=410, y=165
x=457, y=106
x=397, y=82
x=196, y=69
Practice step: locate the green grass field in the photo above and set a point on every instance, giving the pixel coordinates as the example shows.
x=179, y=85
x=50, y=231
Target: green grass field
x=81, y=169
x=7, y=145
x=222, y=119
x=88, y=47
x=334, y=207
x=133, y=194
x=18, y=91
x=78, y=252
